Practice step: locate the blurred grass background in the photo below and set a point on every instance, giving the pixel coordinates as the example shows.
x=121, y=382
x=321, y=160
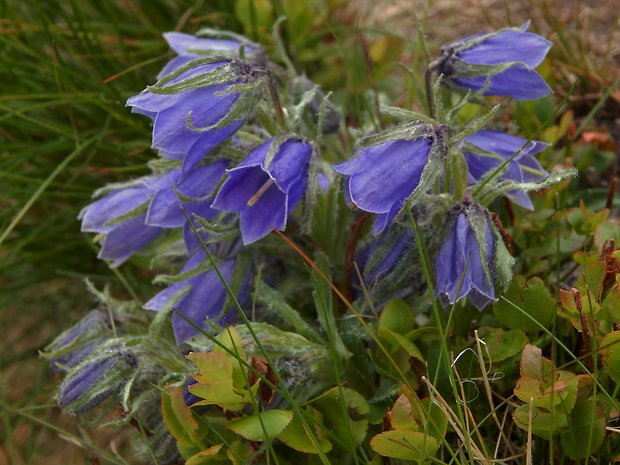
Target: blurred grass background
x=67, y=68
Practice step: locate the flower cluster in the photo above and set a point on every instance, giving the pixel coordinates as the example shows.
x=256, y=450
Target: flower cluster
x=245, y=149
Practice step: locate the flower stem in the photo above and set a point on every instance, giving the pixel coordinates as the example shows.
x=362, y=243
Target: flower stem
x=277, y=106
x=429, y=91
x=354, y=234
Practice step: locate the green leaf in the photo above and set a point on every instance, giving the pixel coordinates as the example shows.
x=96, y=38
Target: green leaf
x=610, y=307
x=610, y=349
x=329, y=404
x=231, y=339
x=405, y=445
x=591, y=280
x=398, y=341
x=273, y=300
x=503, y=344
x=205, y=457
x=178, y=417
x=533, y=297
x=323, y=301
x=397, y=316
x=240, y=452
x=215, y=381
x=420, y=415
x=296, y=437
x=401, y=417
x=605, y=232
x=586, y=430
x=273, y=421
x=544, y=424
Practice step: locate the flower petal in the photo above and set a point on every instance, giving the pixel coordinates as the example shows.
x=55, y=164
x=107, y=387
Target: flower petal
x=171, y=131
x=506, y=46
x=204, y=301
x=205, y=143
x=126, y=238
x=289, y=163
x=268, y=213
x=118, y=203
x=391, y=176
x=183, y=43
x=517, y=81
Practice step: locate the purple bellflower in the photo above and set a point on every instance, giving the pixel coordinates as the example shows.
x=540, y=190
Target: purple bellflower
x=522, y=168
x=190, y=123
x=264, y=194
x=382, y=177
x=199, y=298
x=460, y=262
x=132, y=217
x=501, y=63
x=120, y=215
x=192, y=192
x=73, y=345
x=94, y=380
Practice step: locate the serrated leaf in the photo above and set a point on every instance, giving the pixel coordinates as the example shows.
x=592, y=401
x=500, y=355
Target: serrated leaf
x=215, y=383
x=544, y=424
x=251, y=427
x=405, y=445
x=586, y=430
x=330, y=405
x=610, y=308
x=178, y=417
x=231, y=339
x=533, y=298
x=296, y=437
x=205, y=457
x=610, y=349
x=504, y=344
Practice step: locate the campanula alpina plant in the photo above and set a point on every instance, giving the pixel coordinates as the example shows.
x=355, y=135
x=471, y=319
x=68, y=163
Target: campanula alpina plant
x=384, y=176
x=119, y=217
x=500, y=63
x=464, y=266
x=496, y=148
x=199, y=105
x=131, y=217
x=266, y=186
x=199, y=299
x=73, y=345
x=84, y=388
x=253, y=354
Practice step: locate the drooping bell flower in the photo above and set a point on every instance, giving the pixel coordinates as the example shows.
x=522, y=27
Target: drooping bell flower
x=97, y=378
x=198, y=106
x=466, y=259
x=120, y=215
x=189, y=194
x=131, y=217
x=72, y=346
x=498, y=147
x=200, y=298
x=383, y=176
x=500, y=63
x=265, y=192
x=189, y=47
